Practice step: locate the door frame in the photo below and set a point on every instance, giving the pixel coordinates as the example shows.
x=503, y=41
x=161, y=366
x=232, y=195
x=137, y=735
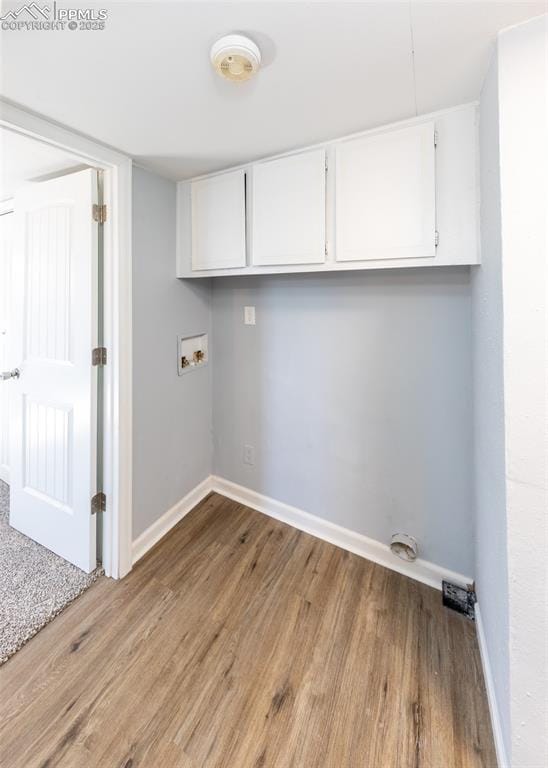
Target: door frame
x=6, y=208
x=118, y=326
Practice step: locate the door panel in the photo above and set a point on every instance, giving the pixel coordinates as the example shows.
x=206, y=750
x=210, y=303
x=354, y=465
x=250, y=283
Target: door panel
x=289, y=210
x=48, y=269
x=53, y=414
x=47, y=446
x=218, y=221
x=385, y=195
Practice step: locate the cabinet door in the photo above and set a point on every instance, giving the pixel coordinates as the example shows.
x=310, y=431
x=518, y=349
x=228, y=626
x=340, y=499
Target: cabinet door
x=385, y=196
x=288, y=211
x=218, y=221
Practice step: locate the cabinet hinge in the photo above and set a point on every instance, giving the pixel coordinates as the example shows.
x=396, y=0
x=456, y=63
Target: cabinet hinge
x=99, y=356
x=436, y=238
x=99, y=213
x=436, y=137
x=98, y=503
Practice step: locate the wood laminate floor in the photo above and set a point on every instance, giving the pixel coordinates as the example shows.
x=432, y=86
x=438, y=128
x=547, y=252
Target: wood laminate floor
x=243, y=643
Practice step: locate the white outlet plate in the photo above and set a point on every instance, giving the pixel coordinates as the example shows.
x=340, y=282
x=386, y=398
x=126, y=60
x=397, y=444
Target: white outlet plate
x=249, y=454
x=249, y=315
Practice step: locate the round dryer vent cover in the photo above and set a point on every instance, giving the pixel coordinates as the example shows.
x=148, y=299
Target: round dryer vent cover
x=235, y=57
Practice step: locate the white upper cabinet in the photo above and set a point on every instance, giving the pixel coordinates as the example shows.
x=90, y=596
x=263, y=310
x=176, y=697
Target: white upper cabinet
x=288, y=210
x=218, y=221
x=385, y=195
x=406, y=195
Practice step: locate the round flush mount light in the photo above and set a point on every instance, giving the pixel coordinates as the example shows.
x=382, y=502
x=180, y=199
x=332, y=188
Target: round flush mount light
x=235, y=57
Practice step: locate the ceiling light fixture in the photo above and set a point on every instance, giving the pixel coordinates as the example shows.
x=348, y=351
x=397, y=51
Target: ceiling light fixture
x=235, y=57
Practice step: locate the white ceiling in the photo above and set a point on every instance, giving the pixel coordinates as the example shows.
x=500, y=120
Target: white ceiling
x=145, y=85
x=23, y=159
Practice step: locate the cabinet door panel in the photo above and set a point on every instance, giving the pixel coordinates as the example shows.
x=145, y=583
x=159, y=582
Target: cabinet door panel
x=289, y=210
x=385, y=196
x=218, y=222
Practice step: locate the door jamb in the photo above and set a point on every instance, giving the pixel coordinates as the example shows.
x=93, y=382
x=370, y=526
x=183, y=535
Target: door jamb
x=117, y=520
x=6, y=207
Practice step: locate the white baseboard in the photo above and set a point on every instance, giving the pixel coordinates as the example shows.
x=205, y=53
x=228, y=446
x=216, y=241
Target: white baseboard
x=164, y=524
x=421, y=570
x=5, y=473
x=496, y=725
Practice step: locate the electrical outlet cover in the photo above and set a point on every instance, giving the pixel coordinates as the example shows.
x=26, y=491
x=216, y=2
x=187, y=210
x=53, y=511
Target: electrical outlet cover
x=249, y=315
x=249, y=454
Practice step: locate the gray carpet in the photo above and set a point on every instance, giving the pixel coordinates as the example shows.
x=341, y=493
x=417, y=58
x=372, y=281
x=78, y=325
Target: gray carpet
x=35, y=584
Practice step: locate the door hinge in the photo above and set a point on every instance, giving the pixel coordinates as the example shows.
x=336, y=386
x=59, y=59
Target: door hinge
x=436, y=137
x=326, y=164
x=326, y=249
x=99, y=213
x=436, y=238
x=99, y=356
x=98, y=503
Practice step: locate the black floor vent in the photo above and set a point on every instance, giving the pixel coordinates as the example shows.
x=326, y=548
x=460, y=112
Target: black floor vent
x=460, y=599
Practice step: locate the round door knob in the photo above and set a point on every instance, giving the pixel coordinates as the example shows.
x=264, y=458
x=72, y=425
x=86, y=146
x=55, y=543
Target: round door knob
x=10, y=374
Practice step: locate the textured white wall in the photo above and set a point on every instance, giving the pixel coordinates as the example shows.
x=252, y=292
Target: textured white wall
x=509, y=295
x=523, y=92
x=490, y=487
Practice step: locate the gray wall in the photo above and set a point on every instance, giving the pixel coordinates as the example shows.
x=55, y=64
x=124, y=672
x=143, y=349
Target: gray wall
x=355, y=390
x=171, y=414
x=490, y=490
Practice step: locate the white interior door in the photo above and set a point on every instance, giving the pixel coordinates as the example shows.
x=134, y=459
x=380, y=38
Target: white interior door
x=53, y=425
x=6, y=221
